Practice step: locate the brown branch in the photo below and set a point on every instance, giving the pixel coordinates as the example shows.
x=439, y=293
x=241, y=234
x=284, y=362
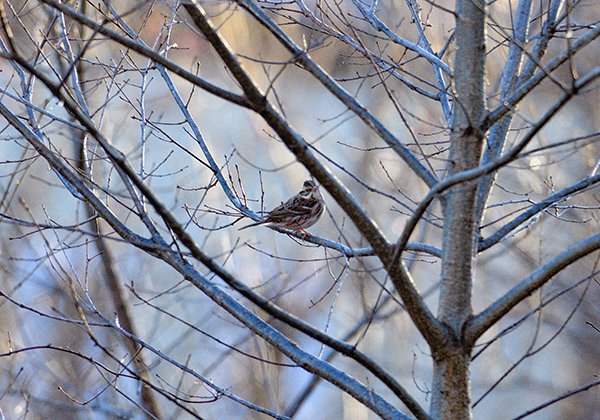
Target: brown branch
x=262, y=329
x=420, y=313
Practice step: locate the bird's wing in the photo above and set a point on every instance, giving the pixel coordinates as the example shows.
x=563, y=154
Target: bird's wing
x=296, y=206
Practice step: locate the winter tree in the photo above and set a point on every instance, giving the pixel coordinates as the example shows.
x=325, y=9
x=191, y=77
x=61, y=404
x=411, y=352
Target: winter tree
x=451, y=275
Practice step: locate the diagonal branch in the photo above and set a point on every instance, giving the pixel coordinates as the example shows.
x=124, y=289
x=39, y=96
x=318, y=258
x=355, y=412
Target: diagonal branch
x=294, y=142
x=511, y=155
x=423, y=49
x=73, y=179
x=160, y=248
x=484, y=320
x=561, y=397
x=274, y=337
x=527, y=86
x=344, y=249
x=168, y=64
x=420, y=313
x=536, y=209
x=385, y=66
x=136, y=46
x=271, y=335
x=498, y=135
x=332, y=86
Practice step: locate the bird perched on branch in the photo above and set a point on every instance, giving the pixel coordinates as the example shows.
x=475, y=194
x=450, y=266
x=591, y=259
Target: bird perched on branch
x=298, y=213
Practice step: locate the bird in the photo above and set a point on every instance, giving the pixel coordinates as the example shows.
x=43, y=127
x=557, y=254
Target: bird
x=298, y=213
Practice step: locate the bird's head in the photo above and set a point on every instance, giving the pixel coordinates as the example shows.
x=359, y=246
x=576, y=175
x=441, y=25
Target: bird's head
x=310, y=189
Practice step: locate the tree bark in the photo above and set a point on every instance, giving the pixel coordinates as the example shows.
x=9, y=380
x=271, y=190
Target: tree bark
x=451, y=386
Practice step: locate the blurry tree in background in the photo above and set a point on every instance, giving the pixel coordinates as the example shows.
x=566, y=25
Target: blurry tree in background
x=452, y=275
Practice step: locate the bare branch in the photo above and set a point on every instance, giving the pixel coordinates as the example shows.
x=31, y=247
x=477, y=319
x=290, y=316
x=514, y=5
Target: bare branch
x=147, y=52
x=559, y=398
x=303, y=58
x=295, y=143
x=485, y=319
x=527, y=86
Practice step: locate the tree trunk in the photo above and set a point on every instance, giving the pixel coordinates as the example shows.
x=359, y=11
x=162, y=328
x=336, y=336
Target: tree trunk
x=452, y=391
x=451, y=386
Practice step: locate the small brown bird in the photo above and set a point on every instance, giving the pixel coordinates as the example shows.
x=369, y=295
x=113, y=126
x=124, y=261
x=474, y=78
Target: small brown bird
x=298, y=213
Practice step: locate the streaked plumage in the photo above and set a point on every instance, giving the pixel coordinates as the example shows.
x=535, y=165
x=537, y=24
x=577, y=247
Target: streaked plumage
x=298, y=213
